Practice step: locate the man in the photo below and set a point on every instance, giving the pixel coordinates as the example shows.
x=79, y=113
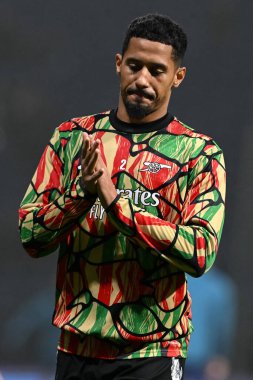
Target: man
x=135, y=199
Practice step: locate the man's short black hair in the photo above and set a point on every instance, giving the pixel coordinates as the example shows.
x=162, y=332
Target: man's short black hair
x=158, y=28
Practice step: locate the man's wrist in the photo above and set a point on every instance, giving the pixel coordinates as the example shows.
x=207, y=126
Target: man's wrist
x=87, y=194
x=107, y=195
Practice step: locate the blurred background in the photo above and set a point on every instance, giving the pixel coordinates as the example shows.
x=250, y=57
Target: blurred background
x=56, y=62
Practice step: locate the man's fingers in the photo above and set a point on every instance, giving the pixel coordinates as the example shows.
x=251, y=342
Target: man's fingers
x=89, y=154
x=90, y=165
x=95, y=176
x=89, y=145
x=98, y=174
x=86, y=145
x=90, y=158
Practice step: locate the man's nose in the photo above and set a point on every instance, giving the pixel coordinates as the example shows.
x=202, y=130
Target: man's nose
x=142, y=80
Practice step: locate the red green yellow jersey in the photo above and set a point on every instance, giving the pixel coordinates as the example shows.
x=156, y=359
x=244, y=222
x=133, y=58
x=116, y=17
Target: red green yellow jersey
x=121, y=290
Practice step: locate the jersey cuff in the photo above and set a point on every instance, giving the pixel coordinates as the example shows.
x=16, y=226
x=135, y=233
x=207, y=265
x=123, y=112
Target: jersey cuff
x=108, y=209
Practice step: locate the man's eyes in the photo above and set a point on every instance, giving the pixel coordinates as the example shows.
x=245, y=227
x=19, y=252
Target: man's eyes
x=134, y=67
x=154, y=71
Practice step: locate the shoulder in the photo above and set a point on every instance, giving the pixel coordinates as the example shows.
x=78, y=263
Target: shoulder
x=177, y=127
x=84, y=123
x=192, y=137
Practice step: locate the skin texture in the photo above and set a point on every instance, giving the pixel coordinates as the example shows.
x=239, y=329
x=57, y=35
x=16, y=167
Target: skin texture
x=147, y=75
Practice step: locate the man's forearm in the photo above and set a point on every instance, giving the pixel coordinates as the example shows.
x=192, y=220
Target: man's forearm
x=44, y=225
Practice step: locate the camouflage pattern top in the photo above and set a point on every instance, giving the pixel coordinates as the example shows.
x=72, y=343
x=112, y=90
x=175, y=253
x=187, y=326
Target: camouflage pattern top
x=121, y=288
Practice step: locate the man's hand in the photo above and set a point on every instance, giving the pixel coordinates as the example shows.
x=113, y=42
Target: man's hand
x=89, y=161
x=95, y=176
x=105, y=187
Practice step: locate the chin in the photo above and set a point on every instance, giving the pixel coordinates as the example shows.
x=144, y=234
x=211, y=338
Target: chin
x=138, y=110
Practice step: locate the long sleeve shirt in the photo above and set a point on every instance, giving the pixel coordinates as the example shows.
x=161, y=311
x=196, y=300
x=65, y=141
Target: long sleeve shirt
x=121, y=287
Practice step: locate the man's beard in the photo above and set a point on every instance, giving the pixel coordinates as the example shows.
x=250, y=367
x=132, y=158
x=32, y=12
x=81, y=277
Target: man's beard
x=138, y=110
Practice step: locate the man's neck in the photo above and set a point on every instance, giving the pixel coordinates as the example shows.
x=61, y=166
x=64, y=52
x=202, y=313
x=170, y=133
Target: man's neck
x=123, y=115
x=146, y=127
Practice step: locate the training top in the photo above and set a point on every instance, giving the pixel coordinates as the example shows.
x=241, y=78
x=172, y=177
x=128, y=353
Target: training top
x=121, y=290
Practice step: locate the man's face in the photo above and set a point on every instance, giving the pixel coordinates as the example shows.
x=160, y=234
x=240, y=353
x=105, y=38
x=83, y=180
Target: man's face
x=147, y=74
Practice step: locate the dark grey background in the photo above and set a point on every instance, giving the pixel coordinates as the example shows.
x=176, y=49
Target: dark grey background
x=57, y=61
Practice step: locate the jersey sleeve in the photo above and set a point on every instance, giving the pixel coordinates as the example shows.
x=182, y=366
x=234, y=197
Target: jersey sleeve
x=191, y=245
x=49, y=210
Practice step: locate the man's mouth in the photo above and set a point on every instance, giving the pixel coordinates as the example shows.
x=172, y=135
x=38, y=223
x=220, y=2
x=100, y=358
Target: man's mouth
x=141, y=94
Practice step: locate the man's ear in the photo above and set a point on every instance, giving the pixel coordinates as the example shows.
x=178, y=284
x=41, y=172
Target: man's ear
x=118, y=61
x=179, y=76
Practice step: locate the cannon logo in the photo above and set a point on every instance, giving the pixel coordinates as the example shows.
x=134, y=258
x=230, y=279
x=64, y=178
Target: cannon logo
x=154, y=167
